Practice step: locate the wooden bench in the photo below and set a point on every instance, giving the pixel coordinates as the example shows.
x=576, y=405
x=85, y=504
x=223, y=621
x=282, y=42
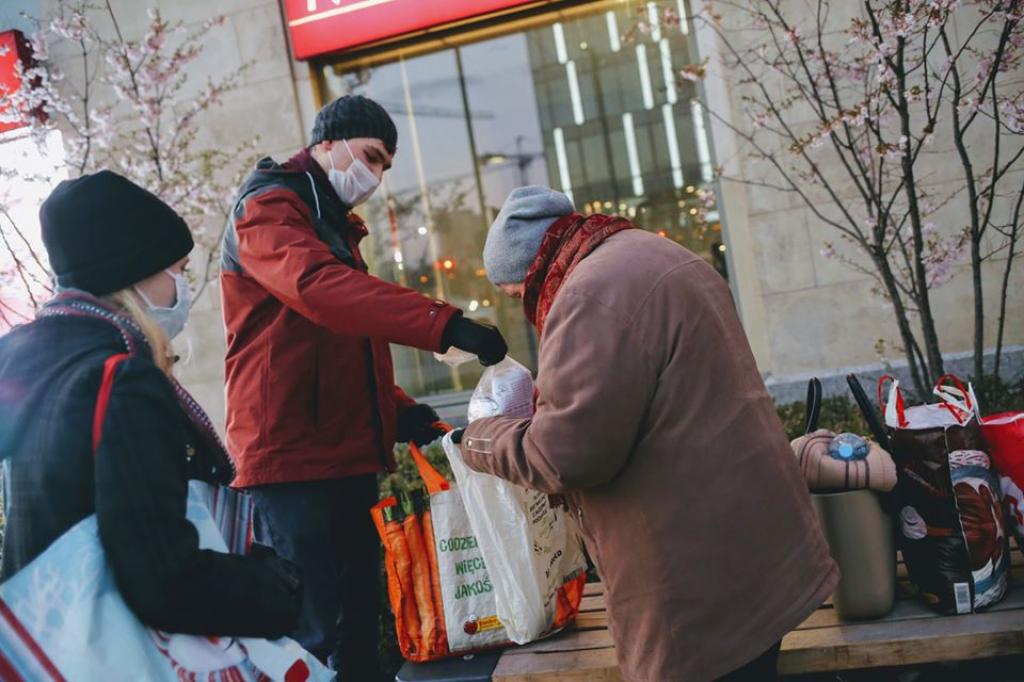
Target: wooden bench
x=910, y=634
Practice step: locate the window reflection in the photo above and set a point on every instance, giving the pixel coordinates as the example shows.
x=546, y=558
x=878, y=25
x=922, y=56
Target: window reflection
x=572, y=104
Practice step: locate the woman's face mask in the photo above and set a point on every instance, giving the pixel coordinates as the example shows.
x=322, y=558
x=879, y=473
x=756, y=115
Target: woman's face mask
x=172, y=320
x=355, y=184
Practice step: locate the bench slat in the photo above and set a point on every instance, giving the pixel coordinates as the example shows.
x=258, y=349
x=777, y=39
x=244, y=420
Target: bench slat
x=599, y=665
x=923, y=640
x=910, y=634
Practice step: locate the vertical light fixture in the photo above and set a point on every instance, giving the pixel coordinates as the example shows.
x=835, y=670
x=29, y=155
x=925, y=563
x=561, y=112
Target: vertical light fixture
x=570, y=73
x=673, y=146
x=684, y=27
x=563, y=163
x=560, y=51
x=706, y=172
x=634, y=158
x=574, y=92
x=666, y=69
x=654, y=21
x=613, y=31
x=645, y=76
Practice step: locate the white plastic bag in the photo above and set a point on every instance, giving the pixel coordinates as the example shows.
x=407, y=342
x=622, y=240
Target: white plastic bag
x=504, y=390
x=530, y=548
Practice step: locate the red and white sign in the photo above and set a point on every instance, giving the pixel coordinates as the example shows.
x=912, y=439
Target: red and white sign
x=13, y=49
x=322, y=26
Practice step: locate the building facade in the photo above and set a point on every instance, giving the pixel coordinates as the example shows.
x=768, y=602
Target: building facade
x=583, y=96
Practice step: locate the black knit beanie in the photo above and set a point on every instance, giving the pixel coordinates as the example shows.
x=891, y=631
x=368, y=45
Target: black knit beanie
x=354, y=116
x=104, y=233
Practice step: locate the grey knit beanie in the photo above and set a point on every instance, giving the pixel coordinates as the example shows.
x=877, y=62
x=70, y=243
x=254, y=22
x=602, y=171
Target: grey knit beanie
x=516, y=233
x=354, y=116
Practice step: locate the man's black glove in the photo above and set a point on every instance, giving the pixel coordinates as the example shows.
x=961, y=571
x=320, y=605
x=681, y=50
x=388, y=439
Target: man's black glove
x=479, y=338
x=457, y=436
x=417, y=423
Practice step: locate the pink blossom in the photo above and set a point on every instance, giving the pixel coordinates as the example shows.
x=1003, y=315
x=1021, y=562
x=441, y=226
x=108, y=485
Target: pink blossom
x=694, y=73
x=40, y=46
x=71, y=28
x=1013, y=114
x=943, y=256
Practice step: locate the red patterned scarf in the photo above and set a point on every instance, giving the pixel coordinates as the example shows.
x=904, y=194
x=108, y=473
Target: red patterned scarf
x=568, y=241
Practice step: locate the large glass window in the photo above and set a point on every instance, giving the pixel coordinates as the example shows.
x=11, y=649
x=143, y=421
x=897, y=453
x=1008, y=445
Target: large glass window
x=571, y=104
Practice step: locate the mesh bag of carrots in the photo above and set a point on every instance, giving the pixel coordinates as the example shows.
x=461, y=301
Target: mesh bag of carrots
x=439, y=588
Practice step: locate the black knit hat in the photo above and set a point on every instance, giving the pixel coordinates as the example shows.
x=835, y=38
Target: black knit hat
x=104, y=233
x=354, y=116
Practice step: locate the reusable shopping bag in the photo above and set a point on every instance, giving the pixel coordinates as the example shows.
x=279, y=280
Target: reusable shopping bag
x=62, y=617
x=1004, y=433
x=447, y=595
x=532, y=549
x=439, y=587
x=951, y=526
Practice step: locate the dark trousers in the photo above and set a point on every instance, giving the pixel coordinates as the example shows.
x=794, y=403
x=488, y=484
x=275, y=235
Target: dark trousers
x=761, y=669
x=325, y=528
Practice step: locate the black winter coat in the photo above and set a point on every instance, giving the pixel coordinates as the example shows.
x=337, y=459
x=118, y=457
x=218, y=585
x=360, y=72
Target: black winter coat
x=137, y=485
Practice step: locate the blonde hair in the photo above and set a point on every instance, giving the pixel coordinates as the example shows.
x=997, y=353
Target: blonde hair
x=128, y=302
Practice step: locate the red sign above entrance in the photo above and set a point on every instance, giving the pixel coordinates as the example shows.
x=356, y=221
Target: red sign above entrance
x=13, y=50
x=322, y=26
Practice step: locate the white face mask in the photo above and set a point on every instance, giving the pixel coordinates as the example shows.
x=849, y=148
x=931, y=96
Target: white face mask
x=355, y=184
x=172, y=320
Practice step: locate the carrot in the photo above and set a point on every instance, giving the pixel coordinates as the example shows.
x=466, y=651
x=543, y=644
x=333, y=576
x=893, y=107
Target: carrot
x=420, y=573
x=394, y=589
x=408, y=619
x=440, y=643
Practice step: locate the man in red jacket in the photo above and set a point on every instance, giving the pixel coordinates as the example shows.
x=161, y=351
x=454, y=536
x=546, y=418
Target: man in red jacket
x=312, y=408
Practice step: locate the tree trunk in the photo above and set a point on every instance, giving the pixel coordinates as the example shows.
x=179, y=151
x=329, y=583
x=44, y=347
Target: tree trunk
x=918, y=371
x=979, y=310
x=1014, y=233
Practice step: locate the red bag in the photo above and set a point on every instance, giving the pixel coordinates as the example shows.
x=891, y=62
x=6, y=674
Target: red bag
x=1005, y=435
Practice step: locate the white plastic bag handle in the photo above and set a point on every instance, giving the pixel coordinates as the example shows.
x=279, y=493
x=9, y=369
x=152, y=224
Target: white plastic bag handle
x=960, y=401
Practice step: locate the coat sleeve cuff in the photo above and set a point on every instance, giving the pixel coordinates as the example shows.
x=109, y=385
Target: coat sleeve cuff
x=445, y=314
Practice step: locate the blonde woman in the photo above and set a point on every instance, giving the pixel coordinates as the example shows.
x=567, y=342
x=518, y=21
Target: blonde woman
x=119, y=255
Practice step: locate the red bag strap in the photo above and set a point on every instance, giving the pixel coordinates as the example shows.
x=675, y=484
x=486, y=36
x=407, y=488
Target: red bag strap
x=901, y=408
x=957, y=412
x=103, y=399
x=433, y=479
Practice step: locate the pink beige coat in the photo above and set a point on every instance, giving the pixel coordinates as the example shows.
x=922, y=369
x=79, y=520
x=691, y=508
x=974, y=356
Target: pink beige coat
x=654, y=421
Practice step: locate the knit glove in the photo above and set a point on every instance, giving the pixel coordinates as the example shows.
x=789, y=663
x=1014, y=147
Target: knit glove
x=418, y=424
x=479, y=338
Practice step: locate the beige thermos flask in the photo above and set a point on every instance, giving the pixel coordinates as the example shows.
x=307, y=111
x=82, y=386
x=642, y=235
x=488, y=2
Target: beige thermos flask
x=861, y=537
x=860, y=533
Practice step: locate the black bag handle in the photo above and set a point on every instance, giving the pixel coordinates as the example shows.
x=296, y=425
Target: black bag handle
x=814, y=395
x=870, y=413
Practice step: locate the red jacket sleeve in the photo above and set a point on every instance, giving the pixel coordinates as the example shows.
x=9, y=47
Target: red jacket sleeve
x=279, y=249
x=403, y=400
